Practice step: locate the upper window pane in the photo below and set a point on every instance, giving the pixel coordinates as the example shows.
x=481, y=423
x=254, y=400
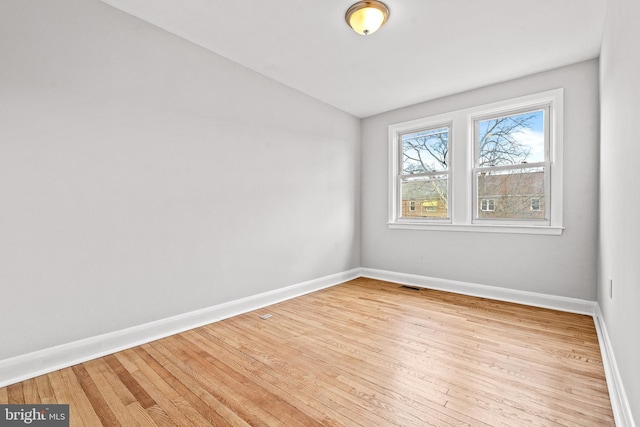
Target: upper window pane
x=511, y=140
x=425, y=151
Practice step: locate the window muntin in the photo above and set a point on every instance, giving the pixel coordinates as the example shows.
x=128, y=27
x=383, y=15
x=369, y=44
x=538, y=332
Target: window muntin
x=424, y=173
x=466, y=176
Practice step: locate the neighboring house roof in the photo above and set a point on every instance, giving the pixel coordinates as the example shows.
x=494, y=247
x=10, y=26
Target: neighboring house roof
x=495, y=185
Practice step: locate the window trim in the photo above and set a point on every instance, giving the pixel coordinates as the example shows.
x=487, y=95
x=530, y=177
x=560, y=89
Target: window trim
x=462, y=163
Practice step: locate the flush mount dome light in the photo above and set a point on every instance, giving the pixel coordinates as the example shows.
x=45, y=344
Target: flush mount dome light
x=366, y=17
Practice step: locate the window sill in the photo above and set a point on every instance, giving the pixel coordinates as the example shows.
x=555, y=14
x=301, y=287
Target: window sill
x=480, y=228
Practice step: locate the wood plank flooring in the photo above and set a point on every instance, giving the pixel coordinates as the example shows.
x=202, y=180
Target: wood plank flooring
x=364, y=353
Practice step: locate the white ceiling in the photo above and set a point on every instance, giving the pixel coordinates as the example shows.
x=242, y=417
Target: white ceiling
x=427, y=49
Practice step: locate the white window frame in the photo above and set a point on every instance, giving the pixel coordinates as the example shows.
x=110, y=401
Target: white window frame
x=462, y=203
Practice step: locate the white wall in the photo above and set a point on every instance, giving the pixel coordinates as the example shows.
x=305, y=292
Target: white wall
x=142, y=177
x=619, y=246
x=557, y=265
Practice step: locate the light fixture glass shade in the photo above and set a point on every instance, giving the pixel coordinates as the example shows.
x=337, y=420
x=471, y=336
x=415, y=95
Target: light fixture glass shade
x=366, y=17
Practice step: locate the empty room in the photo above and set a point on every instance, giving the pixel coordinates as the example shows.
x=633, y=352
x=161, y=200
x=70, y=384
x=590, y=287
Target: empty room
x=296, y=213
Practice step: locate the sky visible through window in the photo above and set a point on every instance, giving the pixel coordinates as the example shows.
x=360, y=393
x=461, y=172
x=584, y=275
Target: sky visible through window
x=521, y=136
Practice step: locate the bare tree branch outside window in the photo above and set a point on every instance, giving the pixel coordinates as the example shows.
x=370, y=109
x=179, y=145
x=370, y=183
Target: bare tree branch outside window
x=425, y=151
x=513, y=140
x=499, y=143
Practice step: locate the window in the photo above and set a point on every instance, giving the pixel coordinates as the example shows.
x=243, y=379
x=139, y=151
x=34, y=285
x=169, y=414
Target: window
x=535, y=204
x=424, y=172
x=430, y=206
x=495, y=167
x=488, y=205
x=511, y=163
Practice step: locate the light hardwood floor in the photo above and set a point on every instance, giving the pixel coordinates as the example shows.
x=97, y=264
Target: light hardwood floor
x=364, y=353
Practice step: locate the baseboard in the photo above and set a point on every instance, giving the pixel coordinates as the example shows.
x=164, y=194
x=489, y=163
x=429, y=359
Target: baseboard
x=619, y=401
x=571, y=305
x=41, y=362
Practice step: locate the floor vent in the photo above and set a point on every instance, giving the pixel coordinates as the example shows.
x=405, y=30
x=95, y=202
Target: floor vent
x=412, y=288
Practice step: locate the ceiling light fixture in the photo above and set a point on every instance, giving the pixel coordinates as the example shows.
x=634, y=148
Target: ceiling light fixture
x=366, y=17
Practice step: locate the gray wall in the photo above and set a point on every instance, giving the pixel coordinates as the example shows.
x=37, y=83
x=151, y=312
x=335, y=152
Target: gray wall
x=142, y=177
x=557, y=265
x=619, y=195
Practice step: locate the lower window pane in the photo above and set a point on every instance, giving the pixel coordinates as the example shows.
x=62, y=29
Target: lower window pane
x=511, y=194
x=425, y=197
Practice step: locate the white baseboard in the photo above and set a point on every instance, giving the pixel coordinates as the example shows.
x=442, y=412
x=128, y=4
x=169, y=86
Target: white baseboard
x=41, y=362
x=619, y=401
x=571, y=305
